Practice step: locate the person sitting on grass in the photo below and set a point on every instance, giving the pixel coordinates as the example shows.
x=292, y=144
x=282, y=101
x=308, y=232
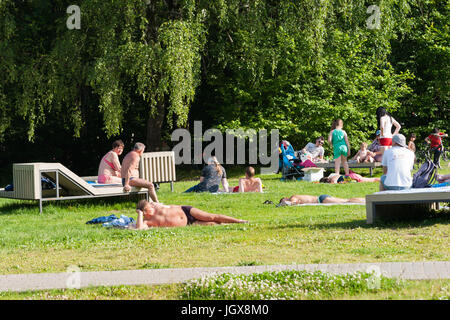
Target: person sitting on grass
x=151, y=214
x=324, y=198
x=211, y=177
x=337, y=178
x=249, y=183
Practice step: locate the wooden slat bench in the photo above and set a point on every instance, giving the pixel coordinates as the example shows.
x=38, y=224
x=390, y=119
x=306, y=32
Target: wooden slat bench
x=371, y=166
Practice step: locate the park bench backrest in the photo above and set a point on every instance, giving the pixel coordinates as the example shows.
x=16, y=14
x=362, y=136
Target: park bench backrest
x=27, y=180
x=158, y=166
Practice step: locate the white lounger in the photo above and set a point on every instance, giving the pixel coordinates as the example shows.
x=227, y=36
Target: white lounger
x=154, y=166
x=396, y=204
x=27, y=184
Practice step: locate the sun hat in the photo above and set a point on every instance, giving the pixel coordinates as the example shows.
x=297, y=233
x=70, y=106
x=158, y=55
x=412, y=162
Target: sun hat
x=400, y=140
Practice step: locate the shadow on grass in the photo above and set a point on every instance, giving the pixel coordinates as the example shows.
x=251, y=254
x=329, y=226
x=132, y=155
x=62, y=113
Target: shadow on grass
x=30, y=206
x=430, y=219
x=16, y=207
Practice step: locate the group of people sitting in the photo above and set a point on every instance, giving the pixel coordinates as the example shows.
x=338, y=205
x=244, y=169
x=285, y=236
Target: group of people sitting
x=213, y=174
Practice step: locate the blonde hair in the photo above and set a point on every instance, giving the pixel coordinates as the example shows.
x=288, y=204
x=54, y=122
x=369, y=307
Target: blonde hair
x=213, y=160
x=364, y=144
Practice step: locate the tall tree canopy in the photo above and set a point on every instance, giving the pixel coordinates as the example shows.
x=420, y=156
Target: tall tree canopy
x=138, y=69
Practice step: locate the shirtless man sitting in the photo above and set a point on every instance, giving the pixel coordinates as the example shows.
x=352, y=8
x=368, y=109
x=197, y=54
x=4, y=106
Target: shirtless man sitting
x=151, y=214
x=324, y=198
x=249, y=183
x=130, y=172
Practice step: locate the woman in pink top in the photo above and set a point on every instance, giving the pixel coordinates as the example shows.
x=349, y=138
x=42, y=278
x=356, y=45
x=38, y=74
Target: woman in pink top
x=109, y=168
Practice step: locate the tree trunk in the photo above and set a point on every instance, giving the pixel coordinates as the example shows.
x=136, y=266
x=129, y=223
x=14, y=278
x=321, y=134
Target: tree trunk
x=154, y=129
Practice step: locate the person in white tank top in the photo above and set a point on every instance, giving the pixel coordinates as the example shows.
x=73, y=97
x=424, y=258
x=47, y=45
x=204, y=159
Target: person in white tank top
x=385, y=123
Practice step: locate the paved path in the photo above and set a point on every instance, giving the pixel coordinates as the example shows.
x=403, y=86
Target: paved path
x=74, y=279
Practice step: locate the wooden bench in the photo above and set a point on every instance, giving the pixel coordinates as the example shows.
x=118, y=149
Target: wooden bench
x=158, y=167
x=371, y=166
x=386, y=205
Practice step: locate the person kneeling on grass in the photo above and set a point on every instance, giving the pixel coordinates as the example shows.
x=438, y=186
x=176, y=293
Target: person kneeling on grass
x=324, y=198
x=159, y=215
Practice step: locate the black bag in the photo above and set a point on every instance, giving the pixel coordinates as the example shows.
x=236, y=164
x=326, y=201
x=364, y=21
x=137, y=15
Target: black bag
x=425, y=176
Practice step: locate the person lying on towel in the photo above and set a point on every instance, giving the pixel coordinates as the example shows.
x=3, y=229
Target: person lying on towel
x=151, y=214
x=324, y=198
x=337, y=178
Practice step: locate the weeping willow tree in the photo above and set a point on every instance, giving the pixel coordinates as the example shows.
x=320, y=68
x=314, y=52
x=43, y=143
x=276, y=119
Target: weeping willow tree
x=157, y=64
x=145, y=51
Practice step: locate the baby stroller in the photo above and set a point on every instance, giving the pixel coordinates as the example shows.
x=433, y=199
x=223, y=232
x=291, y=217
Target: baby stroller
x=289, y=165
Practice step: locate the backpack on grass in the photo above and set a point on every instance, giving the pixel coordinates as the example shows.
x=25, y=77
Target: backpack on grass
x=425, y=176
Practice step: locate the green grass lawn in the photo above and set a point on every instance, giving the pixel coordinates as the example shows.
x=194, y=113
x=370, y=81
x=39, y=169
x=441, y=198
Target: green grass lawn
x=58, y=238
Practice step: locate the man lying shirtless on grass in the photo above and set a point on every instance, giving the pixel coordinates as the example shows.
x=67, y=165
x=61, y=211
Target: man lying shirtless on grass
x=152, y=214
x=324, y=198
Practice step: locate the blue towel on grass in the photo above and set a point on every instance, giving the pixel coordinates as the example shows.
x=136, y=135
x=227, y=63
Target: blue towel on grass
x=112, y=221
x=102, y=219
x=122, y=222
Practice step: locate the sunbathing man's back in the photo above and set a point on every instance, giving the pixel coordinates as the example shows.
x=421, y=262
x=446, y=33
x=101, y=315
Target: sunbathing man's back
x=166, y=216
x=250, y=185
x=303, y=199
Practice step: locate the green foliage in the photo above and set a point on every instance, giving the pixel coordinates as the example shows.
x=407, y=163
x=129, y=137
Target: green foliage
x=291, y=65
x=306, y=63
x=424, y=50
